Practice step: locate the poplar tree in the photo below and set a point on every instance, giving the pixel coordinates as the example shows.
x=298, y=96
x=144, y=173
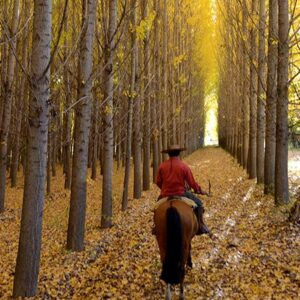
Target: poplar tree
x=282, y=132
x=108, y=139
x=76, y=226
x=28, y=258
x=269, y=167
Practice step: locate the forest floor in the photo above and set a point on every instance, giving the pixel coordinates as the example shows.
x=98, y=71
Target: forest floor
x=254, y=253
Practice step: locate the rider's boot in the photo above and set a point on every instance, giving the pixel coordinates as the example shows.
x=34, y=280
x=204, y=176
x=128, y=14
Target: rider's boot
x=203, y=229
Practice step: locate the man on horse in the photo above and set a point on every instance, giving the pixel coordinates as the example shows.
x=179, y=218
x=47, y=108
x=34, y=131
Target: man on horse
x=175, y=178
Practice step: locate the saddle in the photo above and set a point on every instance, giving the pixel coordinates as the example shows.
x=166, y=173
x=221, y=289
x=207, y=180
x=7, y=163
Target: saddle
x=186, y=200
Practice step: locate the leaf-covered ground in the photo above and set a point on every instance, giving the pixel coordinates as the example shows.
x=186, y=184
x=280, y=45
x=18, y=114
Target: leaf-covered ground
x=255, y=252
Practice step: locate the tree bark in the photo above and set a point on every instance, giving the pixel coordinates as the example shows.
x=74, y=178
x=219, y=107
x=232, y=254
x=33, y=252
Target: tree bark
x=137, y=140
x=146, y=115
x=245, y=90
x=271, y=98
x=281, y=165
x=22, y=94
x=28, y=258
x=76, y=225
x=165, y=79
x=49, y=157
x=7, y=105
x=253, y=98
x=261, y=94
x=155, y=98
x=131, y=98
x=106, y=218
x=67, y=116
x=95, y=138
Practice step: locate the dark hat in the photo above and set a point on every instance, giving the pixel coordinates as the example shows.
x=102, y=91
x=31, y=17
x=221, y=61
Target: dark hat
x=173, y=148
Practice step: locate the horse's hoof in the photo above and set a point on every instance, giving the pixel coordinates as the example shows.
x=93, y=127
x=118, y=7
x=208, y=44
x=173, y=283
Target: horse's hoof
x=168, y=292
x=203, y=229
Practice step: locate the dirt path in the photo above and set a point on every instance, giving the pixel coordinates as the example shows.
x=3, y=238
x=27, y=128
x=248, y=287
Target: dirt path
x=254, y=255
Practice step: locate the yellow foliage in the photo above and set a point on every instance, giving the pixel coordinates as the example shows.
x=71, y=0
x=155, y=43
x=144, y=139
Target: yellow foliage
x=145, y=25
x=108, y=110
x=178, y=60
x=182, y=79
x=205, y=46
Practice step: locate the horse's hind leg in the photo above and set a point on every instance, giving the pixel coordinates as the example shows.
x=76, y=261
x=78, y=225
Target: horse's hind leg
x=168, y=292
x=181, y=295
x=189, y=259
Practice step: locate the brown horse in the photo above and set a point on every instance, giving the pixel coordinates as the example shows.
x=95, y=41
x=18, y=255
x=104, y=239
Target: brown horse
x=175, y=226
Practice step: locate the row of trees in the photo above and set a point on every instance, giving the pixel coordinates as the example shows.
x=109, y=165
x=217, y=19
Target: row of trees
x=71, y=76
x=254, y=87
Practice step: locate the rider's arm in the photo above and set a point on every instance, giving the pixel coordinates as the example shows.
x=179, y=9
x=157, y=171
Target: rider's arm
x=191, y=181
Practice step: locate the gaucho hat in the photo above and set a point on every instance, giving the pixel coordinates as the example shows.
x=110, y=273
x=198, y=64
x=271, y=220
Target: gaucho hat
x=173, y=148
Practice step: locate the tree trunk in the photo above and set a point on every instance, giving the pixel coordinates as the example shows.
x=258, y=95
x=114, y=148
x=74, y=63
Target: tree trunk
x=6, y=111
x=155, y=98
x=253, y=98
x=95, y=138
x=271, y=98
x=67, y=139
x=261, y=94
x=281, y=165
x=49, y=157
x=245, y=91
x=54, y=132
x=3, y=65
x=130, y=107
x=28, y=258
x=165, y=79
x=67, y=116
x=137, y=140
x=21, y=92
x=106, y=218
x=146, y=115
x=76, y=225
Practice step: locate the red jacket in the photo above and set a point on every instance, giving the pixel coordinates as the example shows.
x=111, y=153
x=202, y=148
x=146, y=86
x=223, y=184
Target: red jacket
x=174, y=177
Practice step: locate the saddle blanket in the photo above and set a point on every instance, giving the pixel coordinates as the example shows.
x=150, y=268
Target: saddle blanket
x=187, y=201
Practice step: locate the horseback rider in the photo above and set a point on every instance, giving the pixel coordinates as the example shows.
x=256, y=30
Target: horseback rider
x=174, y=178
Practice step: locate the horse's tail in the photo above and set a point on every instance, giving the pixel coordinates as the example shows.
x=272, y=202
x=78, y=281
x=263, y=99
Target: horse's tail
x=173, y=269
